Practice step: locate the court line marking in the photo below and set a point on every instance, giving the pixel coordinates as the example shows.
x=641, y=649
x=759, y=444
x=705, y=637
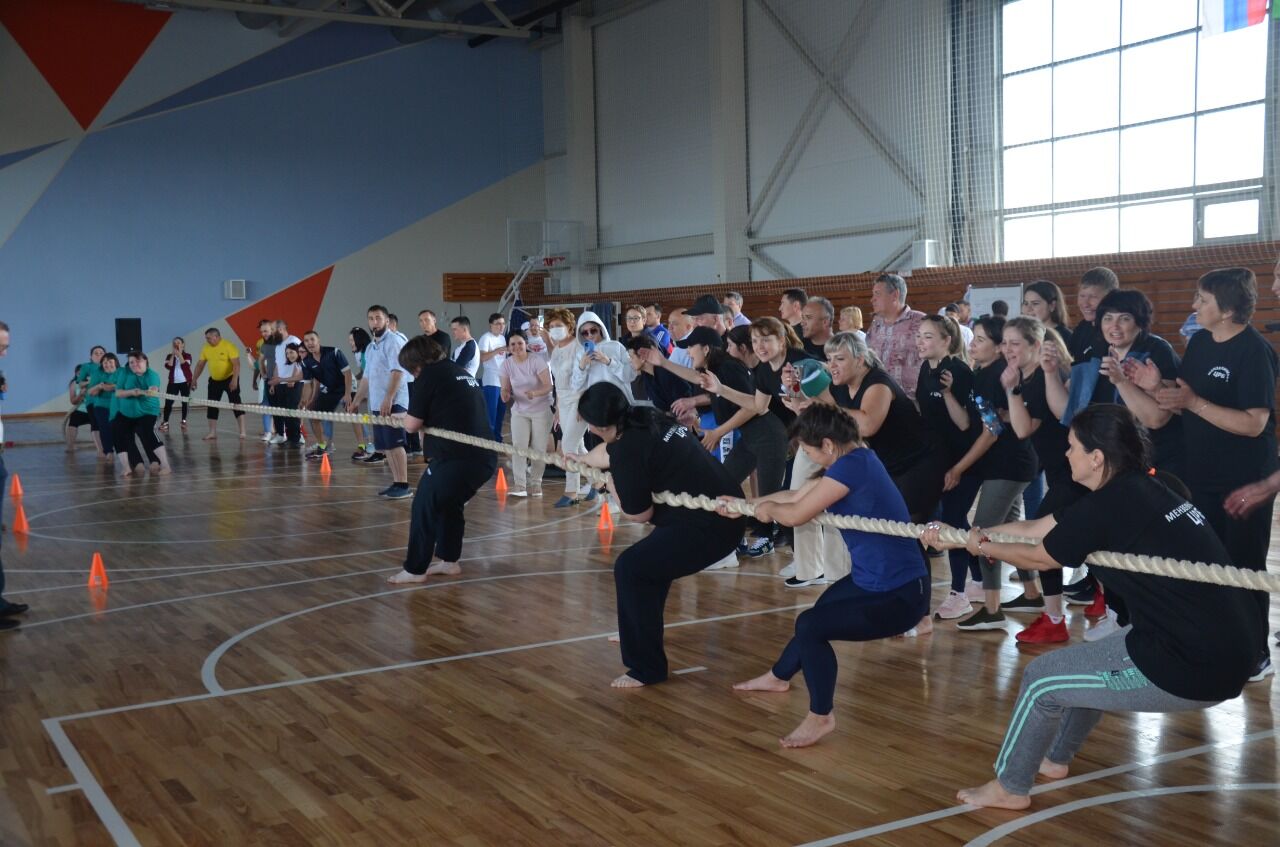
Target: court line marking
x=93, y=791
x=1013, y=826
x=209, y=670
x=63, y=789
x=940, y=814
x=254, y=510
x=694, y=669
x=114, y=822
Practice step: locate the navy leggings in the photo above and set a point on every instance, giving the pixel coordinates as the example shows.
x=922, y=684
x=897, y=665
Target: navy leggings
x=846, y=612
x=953, y=510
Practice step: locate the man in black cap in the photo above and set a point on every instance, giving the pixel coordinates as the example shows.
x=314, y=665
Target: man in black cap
x=707, y=311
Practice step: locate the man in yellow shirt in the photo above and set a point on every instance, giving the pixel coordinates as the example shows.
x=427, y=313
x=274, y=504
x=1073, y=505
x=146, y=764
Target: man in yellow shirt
x=223, y=358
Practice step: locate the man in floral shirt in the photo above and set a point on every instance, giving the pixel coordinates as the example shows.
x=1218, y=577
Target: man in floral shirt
x=893, y=331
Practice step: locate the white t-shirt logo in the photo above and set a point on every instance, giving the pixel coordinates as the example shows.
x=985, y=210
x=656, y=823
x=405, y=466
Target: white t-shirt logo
x=1221, y=372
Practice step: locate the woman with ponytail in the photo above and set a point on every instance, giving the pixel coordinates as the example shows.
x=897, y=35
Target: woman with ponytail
x=647, y=451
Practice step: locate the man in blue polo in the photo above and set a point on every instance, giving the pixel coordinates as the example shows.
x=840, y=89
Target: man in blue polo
x=329, y=383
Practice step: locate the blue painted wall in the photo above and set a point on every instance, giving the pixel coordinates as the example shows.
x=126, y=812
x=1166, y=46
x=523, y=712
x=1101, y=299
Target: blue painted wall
x=149, y=216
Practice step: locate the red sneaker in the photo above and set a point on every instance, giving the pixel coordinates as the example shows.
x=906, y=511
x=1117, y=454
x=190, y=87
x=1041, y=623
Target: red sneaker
x=1098, y=608
x=1044, y=631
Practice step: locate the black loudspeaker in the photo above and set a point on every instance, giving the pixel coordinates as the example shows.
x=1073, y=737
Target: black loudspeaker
x=128, y=334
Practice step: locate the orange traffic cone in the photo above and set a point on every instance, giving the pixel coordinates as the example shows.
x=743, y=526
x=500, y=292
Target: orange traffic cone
x=501, y=485
x=15, y=487
x=606, y=522
x=20, y=525
x=325, y=470
x=97, y=573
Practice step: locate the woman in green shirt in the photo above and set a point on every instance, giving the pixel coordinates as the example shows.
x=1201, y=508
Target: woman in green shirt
x=102, y=385
x=137, y=405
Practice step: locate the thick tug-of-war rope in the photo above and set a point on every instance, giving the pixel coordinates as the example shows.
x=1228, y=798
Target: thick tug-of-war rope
x=1213, y=574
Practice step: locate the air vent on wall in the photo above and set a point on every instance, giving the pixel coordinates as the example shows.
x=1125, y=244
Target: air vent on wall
x=234, y=289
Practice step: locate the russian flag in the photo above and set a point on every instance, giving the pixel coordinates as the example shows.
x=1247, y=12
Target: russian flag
x=1218, y=16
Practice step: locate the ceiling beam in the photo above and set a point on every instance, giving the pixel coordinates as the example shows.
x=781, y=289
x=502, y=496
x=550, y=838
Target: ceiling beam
x=342, y=17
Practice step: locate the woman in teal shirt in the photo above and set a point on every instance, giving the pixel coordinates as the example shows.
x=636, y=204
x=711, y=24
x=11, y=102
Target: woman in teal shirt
x=102, y=385
x=135, y=408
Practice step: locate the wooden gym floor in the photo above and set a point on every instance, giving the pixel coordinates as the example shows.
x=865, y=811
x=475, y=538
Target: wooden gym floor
x=249, y=678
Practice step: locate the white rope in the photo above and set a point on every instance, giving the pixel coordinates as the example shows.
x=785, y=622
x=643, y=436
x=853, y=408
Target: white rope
x=1213, y=574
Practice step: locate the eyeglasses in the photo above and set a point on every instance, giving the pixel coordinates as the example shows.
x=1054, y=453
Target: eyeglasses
x=590, y=331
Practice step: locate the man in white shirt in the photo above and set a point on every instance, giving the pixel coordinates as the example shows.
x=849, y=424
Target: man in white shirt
x=493, y=352
x=386, y=385
x=282, y=350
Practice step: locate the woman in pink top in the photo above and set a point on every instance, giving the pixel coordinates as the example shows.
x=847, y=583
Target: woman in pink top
x=526, y=389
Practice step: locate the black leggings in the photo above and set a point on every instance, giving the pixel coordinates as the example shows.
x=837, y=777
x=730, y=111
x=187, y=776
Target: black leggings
x=846, y=612
x=183, y=388
x=126, y=432
x=436, y=522
x=642, y=577
x=288, y=397
x=1062, y=493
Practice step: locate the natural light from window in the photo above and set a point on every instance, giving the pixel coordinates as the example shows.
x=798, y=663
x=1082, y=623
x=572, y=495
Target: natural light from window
x=1125, y=126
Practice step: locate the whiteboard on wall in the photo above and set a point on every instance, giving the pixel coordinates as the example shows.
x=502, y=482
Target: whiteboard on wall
x=980, y=299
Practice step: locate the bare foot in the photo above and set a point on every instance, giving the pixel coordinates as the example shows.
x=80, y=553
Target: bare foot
x=810, y=730
x=625, y=681
x=924, y=627
x=403, y=577
x=213, y=436
x=242, y=436
x=765, y=682
x=444, y=568
x=126, y=474
x=993, y=796
x=1052, y=770
x=164, y=472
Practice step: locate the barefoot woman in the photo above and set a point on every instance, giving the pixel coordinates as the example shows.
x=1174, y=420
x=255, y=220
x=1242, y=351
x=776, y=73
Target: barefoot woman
x=447, y=397
x=887, y=591
x=646, y=451
x=1189, y=645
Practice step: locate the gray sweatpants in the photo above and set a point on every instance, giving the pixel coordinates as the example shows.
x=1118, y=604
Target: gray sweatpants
x=1063, y=696
x=999, y=502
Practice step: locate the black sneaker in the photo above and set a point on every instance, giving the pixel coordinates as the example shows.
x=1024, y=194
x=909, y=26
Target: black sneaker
x=795, y=582
x=1084, y=583
x=10, y=609
x=1023, y=604
x=983, y=620
x=397, y=491
x=759, y=547
x=8, y=623
x=374, y=459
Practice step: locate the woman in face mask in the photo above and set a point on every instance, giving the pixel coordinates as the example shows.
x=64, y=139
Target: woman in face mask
x=557, y=331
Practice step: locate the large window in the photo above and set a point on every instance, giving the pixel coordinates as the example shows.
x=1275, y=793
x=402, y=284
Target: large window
x=1126, y=127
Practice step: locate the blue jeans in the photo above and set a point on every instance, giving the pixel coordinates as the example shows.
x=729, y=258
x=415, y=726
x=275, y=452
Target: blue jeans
x=1032, y=496
x=497, y=409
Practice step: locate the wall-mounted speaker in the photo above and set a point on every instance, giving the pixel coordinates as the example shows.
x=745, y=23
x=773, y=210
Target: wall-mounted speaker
x=128, y=334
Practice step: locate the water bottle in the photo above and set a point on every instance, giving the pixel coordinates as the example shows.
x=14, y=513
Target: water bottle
x=989, y=417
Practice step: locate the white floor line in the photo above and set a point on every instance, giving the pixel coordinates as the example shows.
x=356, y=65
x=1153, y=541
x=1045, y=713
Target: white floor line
x=940, y=814
x=63, y=789
x=291, y=683
x=180, y=541
x=1013, y=826
x=93, y=791
x=694, y=669
x=186, y=515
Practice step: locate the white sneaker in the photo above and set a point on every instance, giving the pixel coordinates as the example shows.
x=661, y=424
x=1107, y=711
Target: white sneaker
x=788, y=572
x=955, y=606
x=266, y=436
x=276, y=439
x=1106, y=627
x=519, y=492
x=975, y=592
x=730, y=561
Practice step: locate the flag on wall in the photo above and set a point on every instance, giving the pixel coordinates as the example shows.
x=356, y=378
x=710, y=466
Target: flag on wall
x=1219, y=16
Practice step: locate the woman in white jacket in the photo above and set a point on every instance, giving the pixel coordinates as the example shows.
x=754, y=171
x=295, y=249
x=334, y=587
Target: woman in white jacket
x=563, y=352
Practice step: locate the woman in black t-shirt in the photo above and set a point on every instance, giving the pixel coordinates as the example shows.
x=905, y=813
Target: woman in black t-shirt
x=776, y=346
x=1225, y=395
x=446, y=397
x=1042, y=299
x=646, y=451
x=1004, y=462
x=1189, y=645
x=944, y=392
x=1030, y=417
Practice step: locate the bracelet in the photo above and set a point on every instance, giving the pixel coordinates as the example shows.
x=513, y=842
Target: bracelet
x=1203, y=406
x=983, y=539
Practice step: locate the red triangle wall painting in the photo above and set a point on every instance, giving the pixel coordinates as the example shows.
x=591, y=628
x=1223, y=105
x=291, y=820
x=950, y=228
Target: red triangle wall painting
x=298, y=306
x=84, y=48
